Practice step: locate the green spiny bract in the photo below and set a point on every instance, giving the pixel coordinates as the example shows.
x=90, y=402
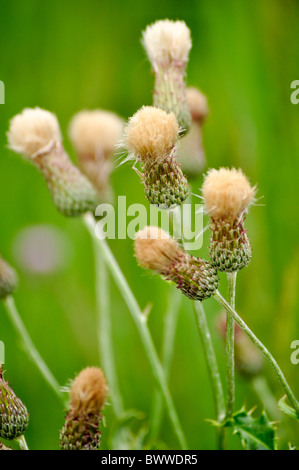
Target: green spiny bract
x=195, y=277
x=170, y=95
x=14, y=417
x=230, y=248
x=8, y=279
x=72, y=193
x=164, y=183
x=81, y=431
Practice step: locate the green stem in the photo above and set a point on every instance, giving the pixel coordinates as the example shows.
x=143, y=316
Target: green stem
x=262, y=348
x=104, y=330
x=169, y=331
x=212, y=366
x=140, y=321
x=261, y=388
x=22, y=442
x=230, y=346
x=29, y=347
x=171, y=319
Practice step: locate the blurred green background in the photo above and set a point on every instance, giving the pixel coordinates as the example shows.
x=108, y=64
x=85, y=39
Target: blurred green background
x=65, y=56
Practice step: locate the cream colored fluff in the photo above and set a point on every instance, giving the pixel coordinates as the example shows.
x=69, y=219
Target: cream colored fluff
x=151, y=133
x=156, y=250
x=227, y=193
x=198, y=104
x=89, y=391
x=167, y=41
x=32, y=131
x=96, y=132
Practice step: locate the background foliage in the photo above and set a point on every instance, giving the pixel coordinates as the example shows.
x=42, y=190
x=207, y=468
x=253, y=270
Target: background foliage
x=65, y=56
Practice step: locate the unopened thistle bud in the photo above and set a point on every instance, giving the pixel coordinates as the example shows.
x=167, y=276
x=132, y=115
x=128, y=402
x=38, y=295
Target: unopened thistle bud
x=14, y=417
x=156, y=250
x=167, y=44
x=8, y=279
x=94, y=135
x=35, y=134
x=249, y=360
x=190, y=148
x=87, y=398
x=227, y=195
x=150, y=138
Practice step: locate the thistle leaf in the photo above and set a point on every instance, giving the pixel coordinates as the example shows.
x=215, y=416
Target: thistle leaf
x=255, y=433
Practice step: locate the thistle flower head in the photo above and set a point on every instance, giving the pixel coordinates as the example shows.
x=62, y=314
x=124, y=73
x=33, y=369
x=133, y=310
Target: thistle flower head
x=166, y=42
x=156, y=250
x=150, y=134
x=8, y=279
x=89, y=391
x=87, y=398
x=33, y=131
x=14, y=417
x=95, y=132
x=198, y=104
x=227, y=193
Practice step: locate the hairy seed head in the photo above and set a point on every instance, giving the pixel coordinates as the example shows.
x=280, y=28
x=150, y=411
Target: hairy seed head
x=156, y=250
x=33, y=131
x=227, y=193
x=89, y=391
x=95, y=132
x=150, y=134
x=166, y=42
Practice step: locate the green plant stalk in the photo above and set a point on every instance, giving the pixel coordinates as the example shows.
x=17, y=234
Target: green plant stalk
x=141, y=324
x=104, y=330
x=230, y=346
x=22, y=442
x=262, y=390
x=212, y=366
x=262, y=348
x=169, y=332
x=168, y=344
x=171, y=317
x=29, y=347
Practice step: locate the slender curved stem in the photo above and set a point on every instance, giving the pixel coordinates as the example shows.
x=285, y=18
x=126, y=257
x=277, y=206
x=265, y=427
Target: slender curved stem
x=104, y=330
x=140, y=321
x=171, y=317
x=262, y=348
x=29, y=347
x=230, y=346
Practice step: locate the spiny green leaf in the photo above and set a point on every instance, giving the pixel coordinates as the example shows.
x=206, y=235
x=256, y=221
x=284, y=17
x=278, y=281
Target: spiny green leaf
x=255, y=433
